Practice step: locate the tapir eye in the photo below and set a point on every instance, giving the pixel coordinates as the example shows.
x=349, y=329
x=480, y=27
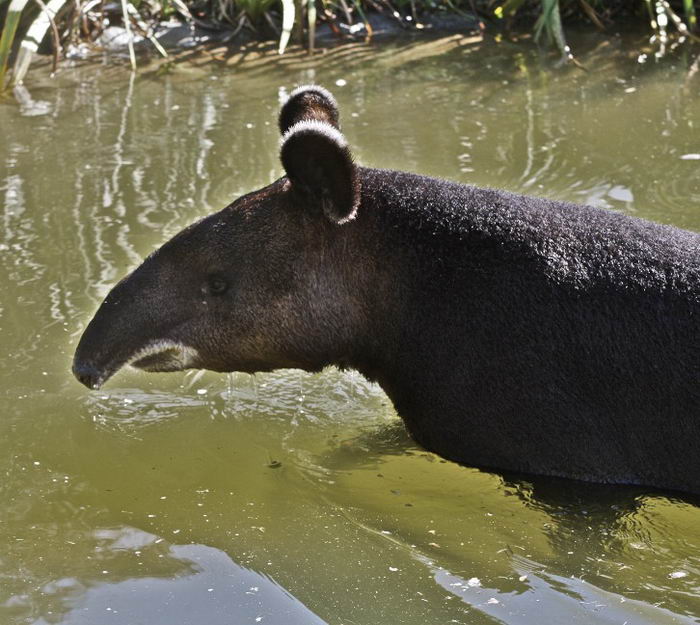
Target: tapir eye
x=216, y=285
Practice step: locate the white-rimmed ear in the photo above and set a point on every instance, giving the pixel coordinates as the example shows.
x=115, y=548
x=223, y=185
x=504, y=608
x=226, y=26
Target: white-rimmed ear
x=309, y=102
x=319, y=165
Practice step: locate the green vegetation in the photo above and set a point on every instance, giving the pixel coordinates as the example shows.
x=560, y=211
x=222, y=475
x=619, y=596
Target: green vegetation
x=25, y=24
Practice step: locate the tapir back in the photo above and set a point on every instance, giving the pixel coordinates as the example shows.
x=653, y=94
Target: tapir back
x=541, y=336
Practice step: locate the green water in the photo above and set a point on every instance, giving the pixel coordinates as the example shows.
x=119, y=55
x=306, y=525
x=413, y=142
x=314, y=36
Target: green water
x=290, y=498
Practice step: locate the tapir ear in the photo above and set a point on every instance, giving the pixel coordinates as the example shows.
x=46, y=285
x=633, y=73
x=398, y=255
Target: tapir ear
x=309, y=102
x=319, y=165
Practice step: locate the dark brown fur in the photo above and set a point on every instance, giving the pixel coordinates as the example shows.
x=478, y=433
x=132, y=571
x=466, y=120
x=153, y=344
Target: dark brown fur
x=510, y=332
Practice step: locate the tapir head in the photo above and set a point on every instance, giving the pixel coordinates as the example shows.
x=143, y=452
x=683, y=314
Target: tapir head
x=260, y=285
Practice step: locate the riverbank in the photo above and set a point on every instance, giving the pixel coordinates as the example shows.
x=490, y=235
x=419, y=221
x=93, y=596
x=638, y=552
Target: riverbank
x=98, y=30
x=387, y=50
x=339, y=63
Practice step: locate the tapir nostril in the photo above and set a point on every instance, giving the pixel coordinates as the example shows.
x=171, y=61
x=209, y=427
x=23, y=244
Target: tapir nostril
x=87, y=374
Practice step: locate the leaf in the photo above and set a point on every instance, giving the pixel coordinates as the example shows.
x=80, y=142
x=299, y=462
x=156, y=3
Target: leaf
x=549, y=21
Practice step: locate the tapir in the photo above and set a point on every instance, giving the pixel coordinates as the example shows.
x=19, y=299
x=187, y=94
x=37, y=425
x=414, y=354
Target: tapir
x=510, y=332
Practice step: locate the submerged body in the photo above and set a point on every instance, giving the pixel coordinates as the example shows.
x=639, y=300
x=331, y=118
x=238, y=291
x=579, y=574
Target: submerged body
x=510, y=332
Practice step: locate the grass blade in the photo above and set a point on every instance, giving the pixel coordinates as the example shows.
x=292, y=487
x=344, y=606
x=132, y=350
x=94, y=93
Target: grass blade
x=311, y=16
x=8, y=35
x=363, y=17
x=690, y=14
x=549, y=22
x=288, y=14
x=146, y=30
x=34, y=36
x=129, y=34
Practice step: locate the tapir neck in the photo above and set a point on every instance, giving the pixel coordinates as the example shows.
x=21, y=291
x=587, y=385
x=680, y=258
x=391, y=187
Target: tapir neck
x=392, y=277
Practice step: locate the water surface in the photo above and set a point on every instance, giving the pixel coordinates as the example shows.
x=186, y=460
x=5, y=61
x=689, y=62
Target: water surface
x=294, y=498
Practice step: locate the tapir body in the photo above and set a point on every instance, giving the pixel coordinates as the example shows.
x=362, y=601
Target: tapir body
x=510, y=332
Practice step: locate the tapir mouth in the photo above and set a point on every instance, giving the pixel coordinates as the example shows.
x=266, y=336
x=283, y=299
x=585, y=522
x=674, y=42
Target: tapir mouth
x=164, y=356
x=157, y=356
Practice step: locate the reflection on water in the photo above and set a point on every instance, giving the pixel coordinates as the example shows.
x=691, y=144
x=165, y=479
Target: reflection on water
x=189, y=580
x=134, y=501
x=541, y=597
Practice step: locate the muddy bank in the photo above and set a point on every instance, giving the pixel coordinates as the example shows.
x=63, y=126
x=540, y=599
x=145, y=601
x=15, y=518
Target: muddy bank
x=175, y=36
x=197, y=46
